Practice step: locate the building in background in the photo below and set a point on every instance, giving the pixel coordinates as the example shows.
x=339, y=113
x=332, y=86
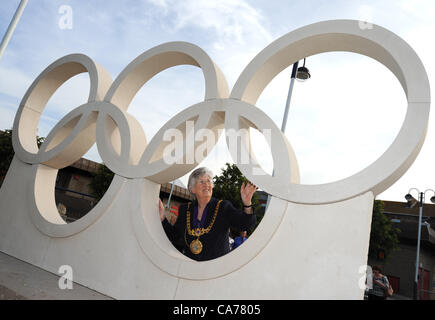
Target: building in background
x=74, y=197
x=399, y=266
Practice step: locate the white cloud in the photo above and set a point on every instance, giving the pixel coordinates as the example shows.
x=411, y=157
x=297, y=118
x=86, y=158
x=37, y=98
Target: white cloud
x=14, y=81
x=232, y=31
x=7, y=115
x=229, y=20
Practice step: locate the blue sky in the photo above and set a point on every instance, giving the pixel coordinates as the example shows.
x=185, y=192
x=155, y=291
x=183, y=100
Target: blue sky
x=340, y=121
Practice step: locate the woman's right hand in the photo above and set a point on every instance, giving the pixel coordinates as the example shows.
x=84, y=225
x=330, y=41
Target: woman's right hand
x=161, y=210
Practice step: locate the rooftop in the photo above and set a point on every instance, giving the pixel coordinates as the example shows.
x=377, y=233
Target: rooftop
x=400, y=208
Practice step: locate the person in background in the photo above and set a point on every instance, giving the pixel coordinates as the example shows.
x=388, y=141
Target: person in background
x=239, y=239
x=231, y=241
x=380, y=285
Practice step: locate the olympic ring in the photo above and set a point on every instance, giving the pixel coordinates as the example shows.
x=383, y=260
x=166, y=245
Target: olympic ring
x=377, y=43
x=55, y=149
x=122, y=144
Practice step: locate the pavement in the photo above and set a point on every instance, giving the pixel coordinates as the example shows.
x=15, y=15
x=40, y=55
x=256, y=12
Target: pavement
x=398, y=297
x=20, y=280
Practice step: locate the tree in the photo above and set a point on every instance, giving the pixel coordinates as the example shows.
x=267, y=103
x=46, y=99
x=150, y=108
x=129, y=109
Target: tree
x=7, y=151
x=227, y=187
x=101, y=181
x=383, y=236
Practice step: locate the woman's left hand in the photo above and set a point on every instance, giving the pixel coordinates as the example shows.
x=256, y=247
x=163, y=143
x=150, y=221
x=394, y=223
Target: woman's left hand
x=161, y=210
x=246, y=193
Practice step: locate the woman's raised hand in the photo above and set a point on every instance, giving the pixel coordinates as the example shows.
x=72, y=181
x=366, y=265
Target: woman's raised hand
x=246, y=193
x=161, y=210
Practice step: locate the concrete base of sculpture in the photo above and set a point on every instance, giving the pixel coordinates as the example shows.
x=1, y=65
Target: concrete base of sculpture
x=300, y=252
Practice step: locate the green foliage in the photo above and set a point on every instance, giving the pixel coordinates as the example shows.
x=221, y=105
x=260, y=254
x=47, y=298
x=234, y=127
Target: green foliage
x=7, y=151
x=383, y=236
x=227, y=187
x=101, y=181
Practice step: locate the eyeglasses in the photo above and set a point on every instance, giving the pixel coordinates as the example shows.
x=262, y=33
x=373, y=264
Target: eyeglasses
x=204, y=182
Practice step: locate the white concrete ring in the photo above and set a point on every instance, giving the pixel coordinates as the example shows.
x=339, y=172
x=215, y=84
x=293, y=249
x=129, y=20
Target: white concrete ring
x=147, y=226
x=131, y=79
x=44, y=214
x=69, y=139
x=54, y=152
x=118, y=133
x=157, y=247
x=43, y=211
x=205, y=115
x=162, y=57
x=239, y=117
x=121, y=141
x=377, y=43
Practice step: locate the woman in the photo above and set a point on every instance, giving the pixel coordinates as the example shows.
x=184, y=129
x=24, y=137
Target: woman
x=380, y=285
x=202, y=226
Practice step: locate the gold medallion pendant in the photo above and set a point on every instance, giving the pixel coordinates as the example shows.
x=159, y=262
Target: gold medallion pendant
x=196, y=246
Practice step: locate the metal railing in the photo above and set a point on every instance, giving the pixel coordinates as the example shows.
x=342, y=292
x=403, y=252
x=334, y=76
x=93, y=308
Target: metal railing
x=76, y=192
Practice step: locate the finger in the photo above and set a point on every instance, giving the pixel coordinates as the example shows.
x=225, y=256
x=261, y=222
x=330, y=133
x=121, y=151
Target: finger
x=253, y=190
x=242, y=188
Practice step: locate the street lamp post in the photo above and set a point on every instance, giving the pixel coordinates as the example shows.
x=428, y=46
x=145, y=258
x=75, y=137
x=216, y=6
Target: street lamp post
x=411, y=203
x=12, y=26
x=170, y=195
x=302, y=74
x=289, y=96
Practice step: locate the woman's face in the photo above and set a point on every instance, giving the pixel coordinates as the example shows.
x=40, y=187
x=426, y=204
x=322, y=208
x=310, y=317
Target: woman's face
x=203, y=187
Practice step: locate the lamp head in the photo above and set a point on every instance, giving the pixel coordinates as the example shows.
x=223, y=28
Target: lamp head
x=412, y=202
x=303, y=74
x=409, y=197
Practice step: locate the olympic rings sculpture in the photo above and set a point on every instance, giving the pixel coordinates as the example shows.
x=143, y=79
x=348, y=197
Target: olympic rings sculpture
x=121, y=141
